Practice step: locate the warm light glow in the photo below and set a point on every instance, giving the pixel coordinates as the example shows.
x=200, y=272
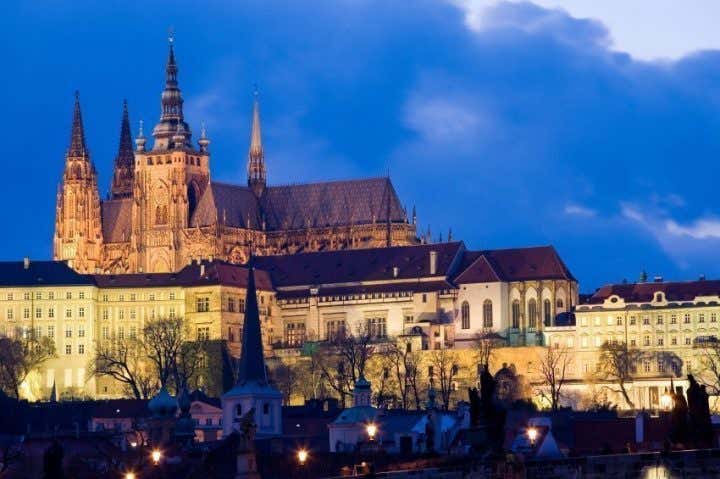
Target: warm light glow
x=130, y=475
x=532, y=434
x=302, y=456
x=666, y=401
x=133, y=444
x=371, y=431
x=156, y=456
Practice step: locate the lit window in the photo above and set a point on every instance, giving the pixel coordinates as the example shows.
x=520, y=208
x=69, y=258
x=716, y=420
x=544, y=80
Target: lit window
x=659, y=319
x=38, y=313
x=51, y=332
x=488, y=313
x=26, y=313
x=51, y=312
x=203, y=304
x=516, y=314
x=68, y=313
x=68, y=332
x=532, y=314
x=686, y=318
x=68, y=349
x=81, y=349
x=26, y=296
x=81, y=295
x=81, y=312
x=465, y=315
x=203, y=334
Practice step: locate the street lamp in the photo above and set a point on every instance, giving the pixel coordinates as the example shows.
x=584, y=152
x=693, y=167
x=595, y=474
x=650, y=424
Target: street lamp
x=130, y=475
x=532, y=435
x=666, y=401
x=302, y=456
x=156, y=456
x=371, y=431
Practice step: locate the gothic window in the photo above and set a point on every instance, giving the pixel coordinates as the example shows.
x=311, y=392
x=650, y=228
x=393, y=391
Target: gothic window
x=192, y=196
x=161, y=215
x=559, y=304
x=487, y=314
x=532, y=314
x=465, y=315
x=516, y=314
x=547, y=313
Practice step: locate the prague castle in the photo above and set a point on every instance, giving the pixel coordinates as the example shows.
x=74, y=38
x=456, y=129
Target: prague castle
x=163, y=209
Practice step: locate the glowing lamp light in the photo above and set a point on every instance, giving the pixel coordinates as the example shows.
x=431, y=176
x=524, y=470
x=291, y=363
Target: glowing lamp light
x=371, y=431
x=666, y=401
x=130, y=475
x=532, y=435
x=156, y=456
x=302, y=456
x=133, y=444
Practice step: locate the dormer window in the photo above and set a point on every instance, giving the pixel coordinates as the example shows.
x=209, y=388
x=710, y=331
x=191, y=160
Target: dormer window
x=659, y=297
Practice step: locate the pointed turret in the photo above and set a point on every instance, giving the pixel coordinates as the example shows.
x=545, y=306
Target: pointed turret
x=252, y=362
x=257, y=176
x=77, y=147
x=171, y=117
x=124, y=175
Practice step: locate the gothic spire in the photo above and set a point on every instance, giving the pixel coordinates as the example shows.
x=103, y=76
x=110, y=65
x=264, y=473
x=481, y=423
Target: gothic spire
x=123, y=177
x=77, y=137
x=252, y=362
x=171, y=116
x=257, y=175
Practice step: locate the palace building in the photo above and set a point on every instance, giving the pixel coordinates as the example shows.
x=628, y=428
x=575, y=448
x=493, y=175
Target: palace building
x=163, y=209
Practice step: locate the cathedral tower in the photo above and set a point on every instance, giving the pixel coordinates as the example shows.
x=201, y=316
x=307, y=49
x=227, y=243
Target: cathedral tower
x=170, y=179
x=257, y=176
x=78, y=227
x=124, y=174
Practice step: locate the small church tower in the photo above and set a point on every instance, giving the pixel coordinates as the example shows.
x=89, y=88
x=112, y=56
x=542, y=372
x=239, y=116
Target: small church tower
x=257, y=175
x=78, y=228
x=252, y=390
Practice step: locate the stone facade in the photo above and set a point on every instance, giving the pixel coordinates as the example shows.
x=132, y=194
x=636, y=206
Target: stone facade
x=163, y=209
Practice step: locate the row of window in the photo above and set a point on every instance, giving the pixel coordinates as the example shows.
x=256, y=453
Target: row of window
x=105, y=297
x=533, y=312
x=49, y=313
x=80, y=349
x=27, y=296
x=131, y=313
x=659, y=319
x=487, y=313
x=646, y=341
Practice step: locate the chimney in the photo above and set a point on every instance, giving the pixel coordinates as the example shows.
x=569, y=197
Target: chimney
x=701, y=277
x=26, y=262
x=658, y=279
x=395, y=271
x=202, y=270
x=433, y=262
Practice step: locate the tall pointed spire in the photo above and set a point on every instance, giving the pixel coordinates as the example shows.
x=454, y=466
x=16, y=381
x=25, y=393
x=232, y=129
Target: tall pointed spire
x=122, y=182
x=77, y=137
x=252, y=362
x=171, y=116
x=257, y=175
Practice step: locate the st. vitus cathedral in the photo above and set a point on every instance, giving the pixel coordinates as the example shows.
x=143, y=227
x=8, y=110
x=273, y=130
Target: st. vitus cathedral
x=164, y=211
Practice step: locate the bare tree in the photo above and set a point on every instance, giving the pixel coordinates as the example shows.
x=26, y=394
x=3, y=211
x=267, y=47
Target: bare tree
x=122, y=360
x=553, y=366
x=11, y=452
x=445, y=367
x=618, y=364
x=485, y=343
x=342, y=362
x=286, y=378
x=710, y=366
x=20, y=357
x=404, y=364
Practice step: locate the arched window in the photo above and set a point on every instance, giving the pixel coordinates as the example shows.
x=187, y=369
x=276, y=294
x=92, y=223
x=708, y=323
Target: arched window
x=516, y=314
x=465, y=315
x=547, y=313
x=487, y=314
x=532, y=314
x=192, y=196
x=161, y=215
x=559, y=303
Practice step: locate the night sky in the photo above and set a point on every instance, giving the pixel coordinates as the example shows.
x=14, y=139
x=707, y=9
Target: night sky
x=512, y=123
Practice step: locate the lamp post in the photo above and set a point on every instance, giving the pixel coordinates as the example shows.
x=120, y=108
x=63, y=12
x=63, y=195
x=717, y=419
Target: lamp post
x=532, y=435
x=156, y=456
x=371, y=431
x=666, y=401
x=302, y=456
x=130, y=475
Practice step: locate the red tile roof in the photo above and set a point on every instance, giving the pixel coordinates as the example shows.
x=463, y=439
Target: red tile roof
x=644, y=292
x=514, y=264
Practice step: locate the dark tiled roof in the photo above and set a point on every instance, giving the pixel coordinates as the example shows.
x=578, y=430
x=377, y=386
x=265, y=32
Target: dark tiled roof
x=232, y=205
x=116, y=220
x=644, y=292
x=13, y=273
x=330, y=204
x=251, y=367
x=409, y=286
x=515, y=264
x=369, y=264
x=216, y=272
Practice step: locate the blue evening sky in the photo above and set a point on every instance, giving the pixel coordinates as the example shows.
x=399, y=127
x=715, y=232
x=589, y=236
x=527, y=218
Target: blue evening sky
x=592, y=126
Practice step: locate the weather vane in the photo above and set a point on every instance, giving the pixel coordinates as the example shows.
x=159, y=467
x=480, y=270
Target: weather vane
x=171, y=35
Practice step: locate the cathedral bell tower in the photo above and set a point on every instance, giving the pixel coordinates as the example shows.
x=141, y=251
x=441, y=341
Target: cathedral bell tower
x=78, y=228
x=169, y=182
x=124, y=174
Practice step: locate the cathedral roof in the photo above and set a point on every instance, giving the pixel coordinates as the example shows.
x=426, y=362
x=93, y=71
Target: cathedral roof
x=292, y=207
x=116, y=220
x=513, y=264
